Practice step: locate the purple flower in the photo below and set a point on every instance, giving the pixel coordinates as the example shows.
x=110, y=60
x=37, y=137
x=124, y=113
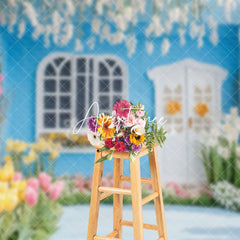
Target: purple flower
x=127, y=140
x=126, y=149
x=92, y=124
x=136, y=148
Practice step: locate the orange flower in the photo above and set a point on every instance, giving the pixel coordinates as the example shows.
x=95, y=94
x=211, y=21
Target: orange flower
x=173, y=107
x=201, y=109
x=104, y=122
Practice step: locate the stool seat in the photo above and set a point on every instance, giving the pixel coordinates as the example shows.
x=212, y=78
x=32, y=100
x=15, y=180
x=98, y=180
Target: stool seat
x=100, y=192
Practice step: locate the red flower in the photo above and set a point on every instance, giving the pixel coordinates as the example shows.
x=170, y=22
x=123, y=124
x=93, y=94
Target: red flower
x=109, y=143
x=120, y=147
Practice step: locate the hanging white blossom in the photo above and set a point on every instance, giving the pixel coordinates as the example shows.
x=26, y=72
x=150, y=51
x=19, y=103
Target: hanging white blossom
x=21, y=28
x=149, y=47
x=165, y=46
x=115, y=21
x=78, y=45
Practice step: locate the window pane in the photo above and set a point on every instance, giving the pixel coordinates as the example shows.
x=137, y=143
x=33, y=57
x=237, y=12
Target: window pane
x=117, y=71
x=80, y=100
x=66, y=69
x=49, y=120
x=65, y=102
x=103, y=71
x=50, y=85
x=64, y=120
x=90, y=92
x=81, y=65
x=110, y=62
x=117, y=85
x=104, y=102
x=65, y=86
x=116, y=99
x=50, y=71
x=91, y=65
x=49, y=102
x=104, y=85
x=58, y=61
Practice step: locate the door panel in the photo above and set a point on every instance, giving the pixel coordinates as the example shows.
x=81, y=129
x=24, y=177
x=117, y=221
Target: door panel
x=202, y=106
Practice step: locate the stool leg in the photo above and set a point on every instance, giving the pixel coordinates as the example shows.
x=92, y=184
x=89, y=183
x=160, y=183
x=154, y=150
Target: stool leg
x=95, y=198
x=158, y=202
x=117, y=198
x=136, y=199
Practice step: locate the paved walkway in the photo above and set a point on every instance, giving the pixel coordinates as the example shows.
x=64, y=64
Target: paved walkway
x=183, y=223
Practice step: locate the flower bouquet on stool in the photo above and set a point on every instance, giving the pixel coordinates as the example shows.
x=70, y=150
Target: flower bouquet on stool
x=128, y=129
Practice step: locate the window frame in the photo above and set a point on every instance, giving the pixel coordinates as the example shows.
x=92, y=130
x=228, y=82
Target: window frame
x=40, y=92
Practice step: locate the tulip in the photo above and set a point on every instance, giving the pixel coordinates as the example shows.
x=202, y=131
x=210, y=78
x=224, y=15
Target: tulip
x=3, y=187
x=33, y=183
x=56, y=190
x=45, y=181
x=2, y=200
x=17, y=176
x=31, y=196
x=11, y=199
x=1, y=77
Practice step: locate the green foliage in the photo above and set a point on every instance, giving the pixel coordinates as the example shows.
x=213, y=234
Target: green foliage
x=36, y=223
x=218, y=168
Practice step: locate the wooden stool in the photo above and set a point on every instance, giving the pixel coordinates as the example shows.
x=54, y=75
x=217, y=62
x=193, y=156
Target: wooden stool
x=99, y=192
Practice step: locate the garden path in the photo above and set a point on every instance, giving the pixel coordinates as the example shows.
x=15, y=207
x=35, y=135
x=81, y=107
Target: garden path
x=183, y=223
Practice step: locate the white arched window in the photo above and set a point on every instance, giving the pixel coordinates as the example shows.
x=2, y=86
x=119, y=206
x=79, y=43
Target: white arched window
x=67, y=85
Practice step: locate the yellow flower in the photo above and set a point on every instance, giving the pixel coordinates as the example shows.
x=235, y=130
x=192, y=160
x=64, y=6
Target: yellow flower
x=51, y=136
x=201, y=109
x=54, y=154
x=3, y=187
x=7, y=159
x=16, y=146
x=31, y=157
x=104, y=122
x=7, y=172
x=11, y=199
x=21, y=187
x=137, y=139
x=173, y=107
x=2, y=201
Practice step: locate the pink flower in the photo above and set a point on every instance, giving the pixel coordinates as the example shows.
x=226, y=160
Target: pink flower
x=31, y=196
x=1, y=91
x=131, y=120
x=33, y=183
x=140, y=113
x=17, y=176
x=56, y=190
x=45, y=181
x=1, y=77
x=122, y=108
x=141, y=122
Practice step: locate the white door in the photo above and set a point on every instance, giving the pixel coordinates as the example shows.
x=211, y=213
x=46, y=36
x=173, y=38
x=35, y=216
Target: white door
x=187, y=94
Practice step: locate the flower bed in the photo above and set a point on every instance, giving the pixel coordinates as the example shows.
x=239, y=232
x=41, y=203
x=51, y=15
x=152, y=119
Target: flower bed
x=28, y=206
x=78, y=190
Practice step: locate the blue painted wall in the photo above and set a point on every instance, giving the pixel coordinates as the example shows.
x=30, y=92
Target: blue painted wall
x=22, y=56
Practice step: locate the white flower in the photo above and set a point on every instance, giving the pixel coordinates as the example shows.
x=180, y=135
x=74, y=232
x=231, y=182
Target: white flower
x=138, y=129
x=181, y=32
x=31, y=13
x=39, y=29
x=120, y=22
x=214, y=37
x=165, y=46
x=128, y=13
x=96, y=24
x=91, y=42
x=118, y=37
x=149, y=47
x=234, y=111
x=21, y=28
x=70, y=7
x=78, y=45
x=194, y=30
x=238, y=151
x=94, y=138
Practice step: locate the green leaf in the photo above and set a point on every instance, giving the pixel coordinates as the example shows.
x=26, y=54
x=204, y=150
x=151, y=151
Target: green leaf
x=132, y=156
x=104, y=148
x=106, y=157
